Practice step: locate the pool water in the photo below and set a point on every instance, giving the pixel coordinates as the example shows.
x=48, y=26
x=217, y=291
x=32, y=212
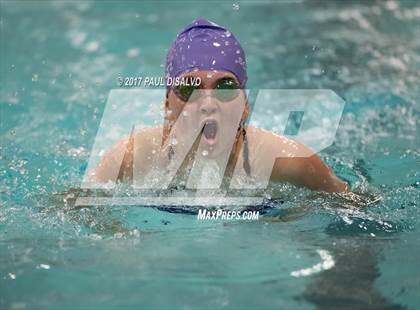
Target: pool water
x=59, y=60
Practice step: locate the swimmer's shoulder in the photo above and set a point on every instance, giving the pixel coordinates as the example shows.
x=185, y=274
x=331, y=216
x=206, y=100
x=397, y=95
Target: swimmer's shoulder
x=140, y=143
x=138, y=146
x=141, y=140
x=266, y=141
x=255, y=134
x=147, y=144
x=264, y=145
x=149, y=137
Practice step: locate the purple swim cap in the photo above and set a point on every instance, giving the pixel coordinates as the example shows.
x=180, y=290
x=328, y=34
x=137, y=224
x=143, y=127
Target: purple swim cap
x=204, y=45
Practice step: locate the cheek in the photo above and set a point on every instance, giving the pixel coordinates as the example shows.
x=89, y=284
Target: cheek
x=175, y=105
x=187, y=124
x=232, y=112
x=187, y=113
x=174, y=109
x=189, y=116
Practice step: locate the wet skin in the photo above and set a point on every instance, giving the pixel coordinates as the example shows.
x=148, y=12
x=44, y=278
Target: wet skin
x=299, y=166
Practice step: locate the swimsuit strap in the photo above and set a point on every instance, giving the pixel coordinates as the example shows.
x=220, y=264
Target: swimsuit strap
x=233, y=159
x=125, y=173
x=245, y=154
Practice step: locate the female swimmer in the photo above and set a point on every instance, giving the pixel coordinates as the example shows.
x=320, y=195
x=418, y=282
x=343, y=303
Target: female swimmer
x=210, y=52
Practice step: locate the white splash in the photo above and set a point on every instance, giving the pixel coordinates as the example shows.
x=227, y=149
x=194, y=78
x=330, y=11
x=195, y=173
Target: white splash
x=326, y=263
x=92, y=46
x=133, y=52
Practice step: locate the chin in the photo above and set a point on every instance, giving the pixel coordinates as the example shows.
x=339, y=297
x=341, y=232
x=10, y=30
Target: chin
x=214, y=151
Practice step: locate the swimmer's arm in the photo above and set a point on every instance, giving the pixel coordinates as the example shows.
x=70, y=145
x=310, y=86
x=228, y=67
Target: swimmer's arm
x=310, y=172
x=313, y=173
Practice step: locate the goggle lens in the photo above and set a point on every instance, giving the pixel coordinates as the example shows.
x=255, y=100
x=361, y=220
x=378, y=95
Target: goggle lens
x=226, y=89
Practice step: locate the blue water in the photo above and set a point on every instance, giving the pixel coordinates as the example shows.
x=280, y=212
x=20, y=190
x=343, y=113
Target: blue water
x=59, y=61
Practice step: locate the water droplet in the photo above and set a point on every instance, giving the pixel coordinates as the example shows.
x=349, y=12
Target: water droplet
x=174, y=141
x=238, y=51
x=209, y=75
x=227, y=33
x=205, y=153
x=92, y=46
x=118, y=235
x=185, y=113
x=235, y=7
x=217, y=44
x=135, y=233
x=34, y=77
x=133, y=52
x=226, y=43
x=214, y=62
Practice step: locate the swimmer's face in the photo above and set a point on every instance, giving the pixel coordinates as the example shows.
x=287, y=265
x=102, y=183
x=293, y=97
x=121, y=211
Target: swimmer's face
x=217, y=105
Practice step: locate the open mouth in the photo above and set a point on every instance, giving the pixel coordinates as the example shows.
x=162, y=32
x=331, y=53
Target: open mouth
x=210, y=131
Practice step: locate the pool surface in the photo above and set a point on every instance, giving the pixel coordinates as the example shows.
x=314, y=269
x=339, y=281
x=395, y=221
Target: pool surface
x=59, y=61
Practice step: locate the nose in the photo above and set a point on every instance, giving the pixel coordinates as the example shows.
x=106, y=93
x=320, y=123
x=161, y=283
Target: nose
x=208, y=106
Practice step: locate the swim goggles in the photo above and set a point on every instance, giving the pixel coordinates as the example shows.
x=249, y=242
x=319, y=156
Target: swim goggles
x=225, y=89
